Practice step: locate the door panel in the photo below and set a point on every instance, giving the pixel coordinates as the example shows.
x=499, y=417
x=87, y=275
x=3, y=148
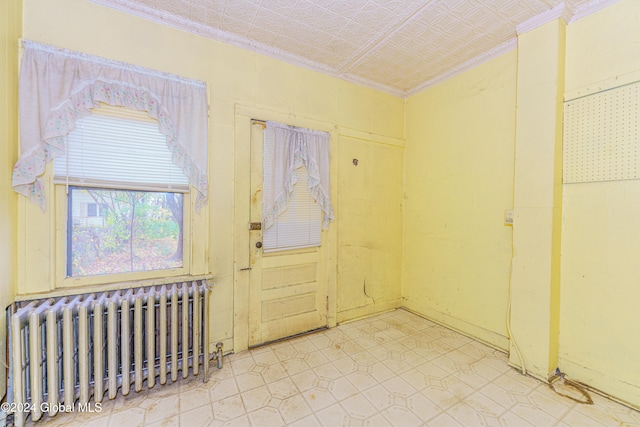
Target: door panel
x=287, y=289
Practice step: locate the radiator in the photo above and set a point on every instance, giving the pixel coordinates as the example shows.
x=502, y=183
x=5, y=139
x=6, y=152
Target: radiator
x=77, y=348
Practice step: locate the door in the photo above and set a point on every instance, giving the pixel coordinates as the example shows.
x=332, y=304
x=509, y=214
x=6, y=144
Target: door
x=288, y=289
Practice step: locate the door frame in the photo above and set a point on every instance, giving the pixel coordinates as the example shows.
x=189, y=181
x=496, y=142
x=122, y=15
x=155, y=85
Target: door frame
x=243, y=115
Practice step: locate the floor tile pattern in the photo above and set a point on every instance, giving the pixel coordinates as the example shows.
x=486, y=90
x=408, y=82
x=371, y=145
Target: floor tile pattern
x=392, y=369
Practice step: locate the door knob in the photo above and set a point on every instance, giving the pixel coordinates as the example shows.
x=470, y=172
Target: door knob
x=258, y=245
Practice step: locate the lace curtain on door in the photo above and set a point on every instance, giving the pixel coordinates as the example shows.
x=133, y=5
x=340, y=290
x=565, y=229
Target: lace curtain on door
x=293, y=147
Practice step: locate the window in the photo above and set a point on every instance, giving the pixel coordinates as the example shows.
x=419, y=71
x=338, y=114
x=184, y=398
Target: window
x=92, y=209
x=125, y=197
x=295, y=187
x=139, y=231
x=60, y=92
x=300, y=225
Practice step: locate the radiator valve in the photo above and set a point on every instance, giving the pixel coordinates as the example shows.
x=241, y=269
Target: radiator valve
x=218, y=354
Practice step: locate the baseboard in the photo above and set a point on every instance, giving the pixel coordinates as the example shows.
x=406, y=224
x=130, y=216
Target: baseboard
x=492, y=339
x=368, y=310
x=613, y=388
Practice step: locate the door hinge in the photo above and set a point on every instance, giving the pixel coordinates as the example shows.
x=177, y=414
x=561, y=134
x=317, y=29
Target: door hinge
x=327, y=302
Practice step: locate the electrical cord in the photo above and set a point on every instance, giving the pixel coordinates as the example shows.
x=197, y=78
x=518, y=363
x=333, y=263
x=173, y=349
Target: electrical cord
x=573, y=384
x=509, y=333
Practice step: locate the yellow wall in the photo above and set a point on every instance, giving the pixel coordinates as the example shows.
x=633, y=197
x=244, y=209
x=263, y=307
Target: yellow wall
x=575, y=270
x=238, y=77
x=458, y=182
x=535, y=277
x=10, y=27
x=370, y=227
x=599, y=340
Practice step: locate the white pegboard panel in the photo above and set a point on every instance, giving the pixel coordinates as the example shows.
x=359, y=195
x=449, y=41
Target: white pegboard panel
x=601, y=136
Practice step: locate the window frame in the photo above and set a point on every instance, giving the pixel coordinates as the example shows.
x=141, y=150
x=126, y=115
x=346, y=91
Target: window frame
x=62, y=221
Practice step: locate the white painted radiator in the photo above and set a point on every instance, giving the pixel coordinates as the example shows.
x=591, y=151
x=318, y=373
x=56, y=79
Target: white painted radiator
x=67, y=350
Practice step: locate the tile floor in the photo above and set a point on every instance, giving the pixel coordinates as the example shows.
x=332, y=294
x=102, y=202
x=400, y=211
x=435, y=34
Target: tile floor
x=393, y=369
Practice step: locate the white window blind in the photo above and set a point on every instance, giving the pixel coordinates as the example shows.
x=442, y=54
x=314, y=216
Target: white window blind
x=299, y=226
x=118, y=147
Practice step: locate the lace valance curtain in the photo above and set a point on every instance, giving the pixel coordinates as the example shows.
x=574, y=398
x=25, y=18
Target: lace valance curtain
x=293, y=147
x=58, y=86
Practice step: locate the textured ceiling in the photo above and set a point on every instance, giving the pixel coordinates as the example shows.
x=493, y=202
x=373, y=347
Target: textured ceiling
x=398, y=46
